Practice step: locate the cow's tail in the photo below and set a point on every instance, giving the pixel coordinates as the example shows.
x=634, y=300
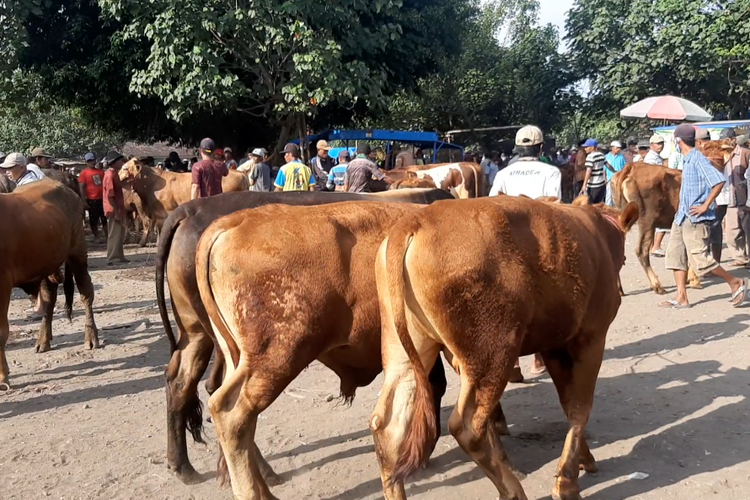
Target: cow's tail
x=163, y=246
x=422, y=431
x=69, y=289
x=202, y=271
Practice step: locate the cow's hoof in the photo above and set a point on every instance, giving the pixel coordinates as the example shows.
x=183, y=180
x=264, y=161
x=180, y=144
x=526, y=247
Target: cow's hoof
x=590, y=466
x=660, y=291
x=43, y=347
x=565, y=495
x=272, y=479
x=186, y=473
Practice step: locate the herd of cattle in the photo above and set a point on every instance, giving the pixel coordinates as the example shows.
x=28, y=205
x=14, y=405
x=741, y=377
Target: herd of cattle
x=362, y=283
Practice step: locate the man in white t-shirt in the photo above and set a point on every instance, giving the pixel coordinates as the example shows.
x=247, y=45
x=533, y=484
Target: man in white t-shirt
x=653, y=157
x=528, y=176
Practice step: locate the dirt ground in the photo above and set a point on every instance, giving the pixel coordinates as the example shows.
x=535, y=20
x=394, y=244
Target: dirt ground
x=671, y=402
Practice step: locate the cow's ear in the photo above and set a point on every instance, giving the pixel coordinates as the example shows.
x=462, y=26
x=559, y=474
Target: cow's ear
x=629, y=216
x=581, y=201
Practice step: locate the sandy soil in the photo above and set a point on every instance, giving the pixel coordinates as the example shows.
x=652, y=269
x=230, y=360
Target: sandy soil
x=672, y=402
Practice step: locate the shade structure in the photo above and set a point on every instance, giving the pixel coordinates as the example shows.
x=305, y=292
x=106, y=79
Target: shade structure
x=666, y=107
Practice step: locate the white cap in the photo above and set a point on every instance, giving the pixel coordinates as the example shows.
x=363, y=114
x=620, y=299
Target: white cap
x=259, y=152
x=14, y=160
x=529, y=136
x=616, y=144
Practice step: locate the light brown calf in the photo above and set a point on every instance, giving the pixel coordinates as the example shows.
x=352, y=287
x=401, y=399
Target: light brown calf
x=528, y=277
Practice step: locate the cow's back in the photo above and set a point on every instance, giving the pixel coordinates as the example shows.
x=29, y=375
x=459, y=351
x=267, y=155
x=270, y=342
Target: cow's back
x=519, y=260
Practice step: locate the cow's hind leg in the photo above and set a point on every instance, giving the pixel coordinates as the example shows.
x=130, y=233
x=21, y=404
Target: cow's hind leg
x=643, y=252
x=235, y=407
x=48, y=295
x=184, y=410
x=574, y=372
x=79, y=266
x=472, y=424
x=4, y=333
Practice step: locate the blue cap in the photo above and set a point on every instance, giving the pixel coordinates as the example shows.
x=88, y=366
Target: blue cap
x=90, y=157
x=590, y=143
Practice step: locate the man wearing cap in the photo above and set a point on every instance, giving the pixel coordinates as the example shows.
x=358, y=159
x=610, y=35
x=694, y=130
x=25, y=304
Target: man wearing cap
x=208, y=172
x=321, y=164
x=614, y=161
x=15, y=167
x=91, y=183
x=114, y=208
x=361, y=171
x=643, y=146
x=738, y=215
x=653, y=157
x=528, y=176
x=39, y=159
x=688, y=246
x=630, y=153
x=259, y=173
x=294, y=175
x=532, y=178
x=337, y=175
x=594, y=183
x=229, y=159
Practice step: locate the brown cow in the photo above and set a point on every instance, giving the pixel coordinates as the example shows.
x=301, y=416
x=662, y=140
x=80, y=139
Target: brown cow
x=45, y=234
x=191, y=353
x=278, y=299
x=462, y=180
x=534, y=277
x=162, y=192
x=6, y=185
x=412, y=183
x=135, y=215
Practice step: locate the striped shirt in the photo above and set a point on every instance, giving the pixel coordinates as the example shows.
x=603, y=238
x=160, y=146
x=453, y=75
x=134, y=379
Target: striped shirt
x=698, y=179
x=595, y=162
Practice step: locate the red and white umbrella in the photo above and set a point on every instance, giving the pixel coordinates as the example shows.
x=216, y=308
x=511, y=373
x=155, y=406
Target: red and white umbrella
x=666, y=107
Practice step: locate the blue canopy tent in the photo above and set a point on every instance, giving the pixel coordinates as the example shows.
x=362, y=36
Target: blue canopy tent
x=714, y=130
x=423, y=140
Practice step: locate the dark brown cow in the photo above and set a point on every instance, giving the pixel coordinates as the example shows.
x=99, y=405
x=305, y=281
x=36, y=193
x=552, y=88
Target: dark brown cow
x=278, y=299
x=534, y=277
x=63, y=177
x=44, y=233
x=192, y=353
x=6, y=185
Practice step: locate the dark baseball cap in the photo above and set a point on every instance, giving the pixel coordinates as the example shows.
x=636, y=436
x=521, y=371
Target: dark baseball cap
x=685, y=131
x=291, y=148
x=728, y=133
x=207, y=145
x=363, y=149
x=113, y=156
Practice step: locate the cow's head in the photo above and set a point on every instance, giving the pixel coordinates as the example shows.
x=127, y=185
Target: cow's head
x=718, y=152
x=133, y=169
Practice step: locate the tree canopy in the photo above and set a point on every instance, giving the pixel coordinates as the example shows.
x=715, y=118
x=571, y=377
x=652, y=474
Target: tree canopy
x=631, y=49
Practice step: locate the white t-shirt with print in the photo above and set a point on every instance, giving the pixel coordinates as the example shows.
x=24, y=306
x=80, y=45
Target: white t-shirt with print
x=528, y=177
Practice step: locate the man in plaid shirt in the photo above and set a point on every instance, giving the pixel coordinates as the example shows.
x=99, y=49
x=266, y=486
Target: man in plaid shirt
x=701, y=184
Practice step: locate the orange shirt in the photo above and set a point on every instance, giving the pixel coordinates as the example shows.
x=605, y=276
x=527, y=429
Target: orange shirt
x=92, y=179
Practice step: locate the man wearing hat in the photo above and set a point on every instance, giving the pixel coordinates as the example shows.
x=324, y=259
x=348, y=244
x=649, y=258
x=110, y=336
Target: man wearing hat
x=39, y=159
x=114, y=208
x=632, y=150
x=361, y=171
x=91, y=183
x=337, y=175
x=294, y=175
x=653, y=157
x=643, y=146
x=594, y=182
x=15, y=167
x=208, y=172
x=322, y=164
x=614, y=161
x=528, y=176
x=229, y=159
x=738, y=214
x=532, y=178
x=689, y=243
x=259, y=173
